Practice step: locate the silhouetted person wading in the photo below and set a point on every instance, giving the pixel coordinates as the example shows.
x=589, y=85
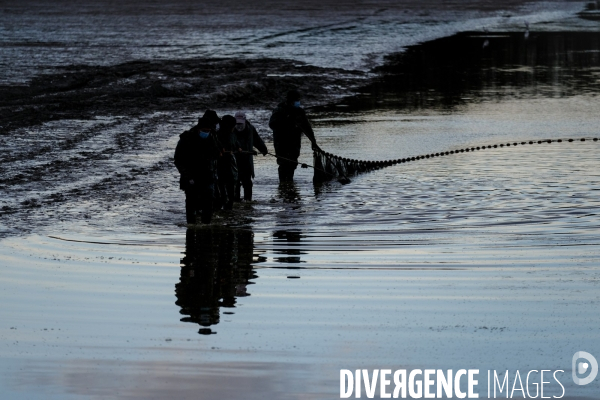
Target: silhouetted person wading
x=248, y=139
x=196, y=160
x=288, y=122
x=227, y=163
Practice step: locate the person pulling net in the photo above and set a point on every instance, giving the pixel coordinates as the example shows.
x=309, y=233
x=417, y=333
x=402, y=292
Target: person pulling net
x=288, y=123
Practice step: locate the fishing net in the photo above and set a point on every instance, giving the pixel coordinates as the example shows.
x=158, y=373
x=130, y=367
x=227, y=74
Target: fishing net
x=329, y=166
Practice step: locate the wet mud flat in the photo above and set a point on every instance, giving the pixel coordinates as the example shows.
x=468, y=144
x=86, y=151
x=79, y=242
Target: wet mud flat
x=185, y=86
x=482, y=260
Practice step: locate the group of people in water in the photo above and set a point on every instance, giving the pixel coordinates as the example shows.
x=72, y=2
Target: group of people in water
x=215, y=158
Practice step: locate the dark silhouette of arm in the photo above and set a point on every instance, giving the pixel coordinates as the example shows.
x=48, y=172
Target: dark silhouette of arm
x=304, y=125
x=257, y=141
x=180, y=157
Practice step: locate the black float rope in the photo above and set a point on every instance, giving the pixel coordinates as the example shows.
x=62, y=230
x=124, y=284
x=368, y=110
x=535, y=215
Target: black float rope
x=343, y=166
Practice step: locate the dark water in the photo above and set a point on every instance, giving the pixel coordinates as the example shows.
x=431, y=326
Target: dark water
x=481, y=66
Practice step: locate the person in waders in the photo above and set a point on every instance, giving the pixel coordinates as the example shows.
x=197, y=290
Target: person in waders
x=288, y=122
x=196, y=157
x=227, y=164
x=248, y=139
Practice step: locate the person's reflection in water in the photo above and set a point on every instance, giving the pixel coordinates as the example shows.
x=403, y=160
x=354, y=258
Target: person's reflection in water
x=318, y=188
x=216, y=269
x=288, y=192
x=288, y=244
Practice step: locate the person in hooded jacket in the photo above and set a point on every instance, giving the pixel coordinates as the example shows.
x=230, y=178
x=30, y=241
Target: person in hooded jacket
x=248, y=139
x=288, y=122
x=196, y=157
x=227, y=163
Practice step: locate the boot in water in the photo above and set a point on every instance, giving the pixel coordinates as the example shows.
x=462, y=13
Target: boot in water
x=248, y=194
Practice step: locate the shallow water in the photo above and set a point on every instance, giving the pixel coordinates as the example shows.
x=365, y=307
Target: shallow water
x=485, y=259
x=36, y=36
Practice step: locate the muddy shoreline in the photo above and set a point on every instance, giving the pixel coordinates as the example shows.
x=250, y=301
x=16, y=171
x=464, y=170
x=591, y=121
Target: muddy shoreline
x=185, y=86
x=446, y=72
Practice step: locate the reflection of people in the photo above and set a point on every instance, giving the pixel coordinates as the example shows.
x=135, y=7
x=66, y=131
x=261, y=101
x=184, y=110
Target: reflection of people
x=248, y=139
x=216, y=269
x=291, y=254
x=195, y=159
x=288, y=192
x=288, y=122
